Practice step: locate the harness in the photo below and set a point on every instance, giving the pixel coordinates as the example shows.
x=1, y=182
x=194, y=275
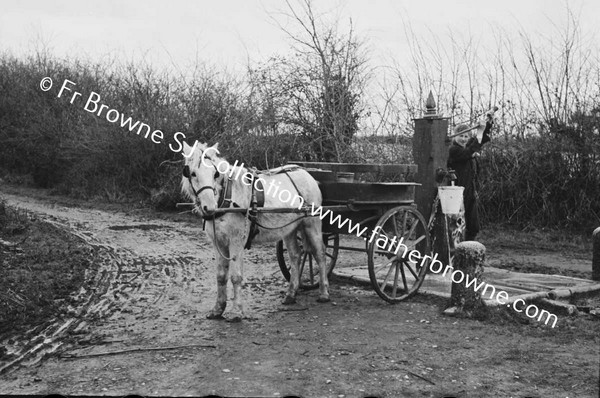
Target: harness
x=257, y=200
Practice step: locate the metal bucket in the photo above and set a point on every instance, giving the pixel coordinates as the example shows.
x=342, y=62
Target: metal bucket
x=451, y=198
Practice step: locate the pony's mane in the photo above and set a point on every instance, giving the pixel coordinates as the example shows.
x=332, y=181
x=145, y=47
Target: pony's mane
x=215, y=159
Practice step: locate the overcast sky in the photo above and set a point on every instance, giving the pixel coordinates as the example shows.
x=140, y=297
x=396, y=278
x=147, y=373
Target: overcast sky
x=229, y=32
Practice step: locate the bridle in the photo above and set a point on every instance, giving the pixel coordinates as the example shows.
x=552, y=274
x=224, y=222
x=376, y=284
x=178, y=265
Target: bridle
x=186, y=173
x=224, y=199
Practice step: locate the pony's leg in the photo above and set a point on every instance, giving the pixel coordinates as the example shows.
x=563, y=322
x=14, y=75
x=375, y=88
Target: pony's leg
x=222, y=271
x=236, y=280
x=291, y=243
x=314, y=243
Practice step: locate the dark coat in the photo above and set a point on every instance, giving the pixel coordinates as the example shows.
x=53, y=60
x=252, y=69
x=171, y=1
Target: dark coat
x=461, y=160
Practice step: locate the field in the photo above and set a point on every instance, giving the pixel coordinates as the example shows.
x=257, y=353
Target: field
x=131, y=287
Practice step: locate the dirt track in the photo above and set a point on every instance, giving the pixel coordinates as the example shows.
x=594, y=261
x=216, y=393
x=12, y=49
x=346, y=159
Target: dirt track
x=142, y=330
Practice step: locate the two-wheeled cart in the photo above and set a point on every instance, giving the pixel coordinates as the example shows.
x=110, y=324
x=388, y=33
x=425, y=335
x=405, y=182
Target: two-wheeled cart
x=381, y=216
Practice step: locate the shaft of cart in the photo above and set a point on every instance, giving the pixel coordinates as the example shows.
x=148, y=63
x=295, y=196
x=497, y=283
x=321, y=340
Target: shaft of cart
x=303, y=210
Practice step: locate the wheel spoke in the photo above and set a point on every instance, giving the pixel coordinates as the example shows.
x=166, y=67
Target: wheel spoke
x=301, y=267
x=412, y=229
x=395, y=288
x=404, y=278
x=412, y=271
x=404, y=219
x=417, y=241
x=384, y=266
x=382, y=286
x=310, y=270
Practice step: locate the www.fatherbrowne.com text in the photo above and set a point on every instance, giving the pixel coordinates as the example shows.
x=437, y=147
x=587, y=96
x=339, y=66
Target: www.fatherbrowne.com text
x=394, y=245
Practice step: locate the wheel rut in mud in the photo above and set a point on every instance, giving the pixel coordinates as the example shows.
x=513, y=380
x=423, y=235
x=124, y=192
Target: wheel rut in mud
x=144, y=274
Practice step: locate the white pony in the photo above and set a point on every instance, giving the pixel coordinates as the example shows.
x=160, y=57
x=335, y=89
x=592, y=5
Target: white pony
x=212, y=183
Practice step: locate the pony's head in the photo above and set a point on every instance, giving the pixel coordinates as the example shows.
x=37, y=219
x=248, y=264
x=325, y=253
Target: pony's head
x=202, y=177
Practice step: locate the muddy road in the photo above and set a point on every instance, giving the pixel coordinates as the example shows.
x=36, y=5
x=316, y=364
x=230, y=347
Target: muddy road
x=141, y=329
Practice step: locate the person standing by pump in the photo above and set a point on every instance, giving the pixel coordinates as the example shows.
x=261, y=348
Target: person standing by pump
x=463, y=158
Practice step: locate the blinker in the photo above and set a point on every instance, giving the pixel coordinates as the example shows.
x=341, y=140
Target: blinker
x=186, y=171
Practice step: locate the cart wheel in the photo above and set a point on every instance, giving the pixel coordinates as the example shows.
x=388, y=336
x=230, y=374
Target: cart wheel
x=309, y=271
x=393, y=276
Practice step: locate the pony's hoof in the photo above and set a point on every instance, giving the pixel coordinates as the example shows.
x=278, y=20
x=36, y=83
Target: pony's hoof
x=213, y=315
x=289, y=300
x=323, y=300
x=234, y=318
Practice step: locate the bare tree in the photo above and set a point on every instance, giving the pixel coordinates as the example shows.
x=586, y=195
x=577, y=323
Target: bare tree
x=316, y=91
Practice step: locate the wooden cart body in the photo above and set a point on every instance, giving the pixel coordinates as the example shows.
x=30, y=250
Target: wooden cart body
x=376, y=206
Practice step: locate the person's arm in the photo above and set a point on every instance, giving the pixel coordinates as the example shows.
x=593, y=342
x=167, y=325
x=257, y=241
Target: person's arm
x=486, y=132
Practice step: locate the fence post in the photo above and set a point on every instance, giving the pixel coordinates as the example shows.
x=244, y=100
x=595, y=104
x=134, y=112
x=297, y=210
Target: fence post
x=468, y=261
x=596, y=255
x=430, y=152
